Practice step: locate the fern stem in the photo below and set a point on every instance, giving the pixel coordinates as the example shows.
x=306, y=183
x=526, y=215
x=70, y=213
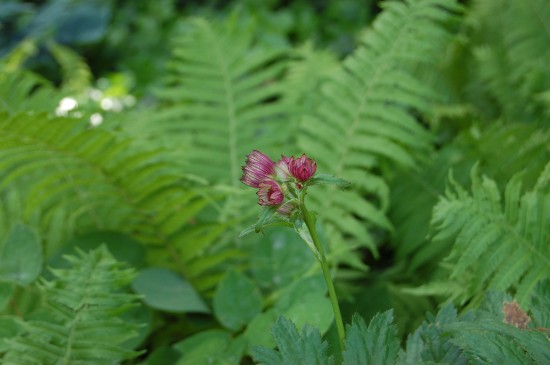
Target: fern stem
x=326, y=273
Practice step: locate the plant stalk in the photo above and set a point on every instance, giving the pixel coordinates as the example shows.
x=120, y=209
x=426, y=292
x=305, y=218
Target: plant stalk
x=326, y=273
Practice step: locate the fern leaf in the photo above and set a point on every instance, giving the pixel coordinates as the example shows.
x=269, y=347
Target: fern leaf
x=512, y=54
x=502, y=149
x=23, y=91
x=71, y=178
x=511, y=241
x=77, y=76
x=365, y=116
x=81, y=324
x=224, y=94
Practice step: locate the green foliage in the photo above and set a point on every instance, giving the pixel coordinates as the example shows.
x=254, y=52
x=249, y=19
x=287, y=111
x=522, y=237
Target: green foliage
x=511, y=61
x=431, y=89
x=510, y=237
x=175, y=294
x=210, y=347
x=377, y=344
x=365, y=118
x=501, y=150
x=236, y=301
x=483, y=336
x=80, y=321
x=20, y=256
x=225, y=96
x=70, y=178
x=305, y=347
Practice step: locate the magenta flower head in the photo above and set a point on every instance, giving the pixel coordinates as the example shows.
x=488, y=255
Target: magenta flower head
x=282, y=168
x=270, y=193
x=302, y=168
x=257, y=168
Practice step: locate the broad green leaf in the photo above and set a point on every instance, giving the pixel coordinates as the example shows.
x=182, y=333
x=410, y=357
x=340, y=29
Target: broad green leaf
x=165, y=290
x=377, y=344
x=10, y=326
x=6, y=291
x=313, y=309
x=214, y=347
x=162, y=356
x=21, y=256
x=258, y=330
x=236, y=300
x=280, y=258
x=294, y=292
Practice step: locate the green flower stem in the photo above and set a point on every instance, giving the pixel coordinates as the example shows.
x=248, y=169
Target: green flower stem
x=326, y=273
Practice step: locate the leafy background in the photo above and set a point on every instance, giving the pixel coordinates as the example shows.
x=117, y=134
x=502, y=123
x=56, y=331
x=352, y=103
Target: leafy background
x=123, y=127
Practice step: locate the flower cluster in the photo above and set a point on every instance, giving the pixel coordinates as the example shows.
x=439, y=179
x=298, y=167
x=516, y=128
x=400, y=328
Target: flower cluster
x=273, y=179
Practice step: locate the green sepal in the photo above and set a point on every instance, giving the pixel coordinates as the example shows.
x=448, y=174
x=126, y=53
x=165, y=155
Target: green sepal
x=274, y=221
x=329, y=180
x=301, y=229
x=266, y=213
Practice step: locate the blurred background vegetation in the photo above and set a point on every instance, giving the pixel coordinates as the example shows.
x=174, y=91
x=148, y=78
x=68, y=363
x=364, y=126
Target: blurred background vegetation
x=113, y=130
x=128, y=42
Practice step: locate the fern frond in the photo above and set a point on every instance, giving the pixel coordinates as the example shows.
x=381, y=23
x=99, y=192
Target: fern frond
x=307, y=71
x=224, y=93
x=71, y=179
x=81, y=323
x=512, y=54
x=24, y=91
x=495, y=245
x=502, y=150
x=366, y=115
x=77, y=75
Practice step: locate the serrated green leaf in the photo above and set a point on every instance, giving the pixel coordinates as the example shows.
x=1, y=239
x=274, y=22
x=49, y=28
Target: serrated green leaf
x=377, y=344
x=429, y=343
x=293, y=347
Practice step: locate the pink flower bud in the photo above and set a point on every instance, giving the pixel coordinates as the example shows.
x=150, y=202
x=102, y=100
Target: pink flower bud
x=282, y=168
x=302, y=168
x=270, y=193
x=257, y=168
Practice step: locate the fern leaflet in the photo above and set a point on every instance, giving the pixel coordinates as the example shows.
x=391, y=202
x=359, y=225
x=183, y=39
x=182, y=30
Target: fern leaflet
x=499, y=246
x=365, y=118
x=81, y=322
